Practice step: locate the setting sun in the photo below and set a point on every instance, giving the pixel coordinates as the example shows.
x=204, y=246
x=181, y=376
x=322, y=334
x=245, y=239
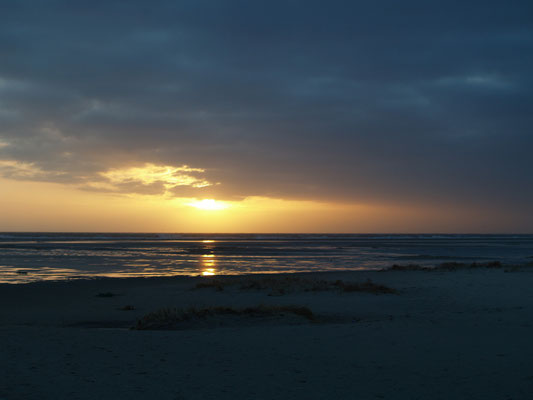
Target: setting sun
x=209, y=204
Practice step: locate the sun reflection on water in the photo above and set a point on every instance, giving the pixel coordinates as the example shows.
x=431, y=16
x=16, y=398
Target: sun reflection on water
x=208, y=272
x=207, y=263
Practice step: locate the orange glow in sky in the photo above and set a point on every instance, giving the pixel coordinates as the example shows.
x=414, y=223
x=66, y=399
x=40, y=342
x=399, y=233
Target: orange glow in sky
x=40, y=206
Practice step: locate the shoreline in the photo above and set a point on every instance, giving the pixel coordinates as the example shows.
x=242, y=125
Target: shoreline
x=443, y=266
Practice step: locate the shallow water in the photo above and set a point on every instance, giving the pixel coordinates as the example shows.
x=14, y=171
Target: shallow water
x=28, y=257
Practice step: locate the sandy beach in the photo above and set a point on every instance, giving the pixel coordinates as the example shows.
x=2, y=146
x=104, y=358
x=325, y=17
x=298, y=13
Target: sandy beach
x=266, y=200
x=462, y=334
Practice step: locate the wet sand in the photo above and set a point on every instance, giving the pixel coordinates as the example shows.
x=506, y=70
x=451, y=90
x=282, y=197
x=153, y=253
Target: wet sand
x=445, y=334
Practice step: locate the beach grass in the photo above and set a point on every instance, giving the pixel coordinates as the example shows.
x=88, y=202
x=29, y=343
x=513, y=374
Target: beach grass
x=280, y=285
x=172, y=317
x=447, y=266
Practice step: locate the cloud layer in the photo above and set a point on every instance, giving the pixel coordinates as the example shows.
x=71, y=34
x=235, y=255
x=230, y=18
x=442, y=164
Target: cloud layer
x=394, y=102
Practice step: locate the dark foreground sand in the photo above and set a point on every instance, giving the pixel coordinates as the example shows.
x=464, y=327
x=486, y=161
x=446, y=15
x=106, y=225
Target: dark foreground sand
x=464, y=334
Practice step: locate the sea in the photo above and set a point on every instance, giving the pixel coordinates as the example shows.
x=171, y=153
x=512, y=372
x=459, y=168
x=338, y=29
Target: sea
x=30, y=257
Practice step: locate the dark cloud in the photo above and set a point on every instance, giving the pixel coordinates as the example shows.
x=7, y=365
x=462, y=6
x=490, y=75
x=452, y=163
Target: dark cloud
x=414, y=101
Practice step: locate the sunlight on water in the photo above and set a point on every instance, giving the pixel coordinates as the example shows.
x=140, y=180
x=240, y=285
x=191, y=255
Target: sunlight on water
x=10, y=274
x=38, y=257
x=208, y=272
x=207, y=262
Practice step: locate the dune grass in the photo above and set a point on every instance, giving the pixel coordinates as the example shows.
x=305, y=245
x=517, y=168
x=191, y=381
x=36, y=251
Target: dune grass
x=280, y=285
x=447, y=266
x=368, y=287
x=170, y=318
x=408, y=267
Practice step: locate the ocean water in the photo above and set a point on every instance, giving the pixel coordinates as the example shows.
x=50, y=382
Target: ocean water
x=29, y=257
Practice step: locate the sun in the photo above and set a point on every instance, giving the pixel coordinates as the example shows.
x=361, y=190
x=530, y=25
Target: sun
x=209, y=204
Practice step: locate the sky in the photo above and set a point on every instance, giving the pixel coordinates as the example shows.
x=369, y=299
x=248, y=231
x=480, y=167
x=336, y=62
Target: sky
x=255, y=116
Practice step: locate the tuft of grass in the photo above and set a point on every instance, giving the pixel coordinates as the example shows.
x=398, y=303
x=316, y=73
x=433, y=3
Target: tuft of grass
x=368, y=287
x=409, y=267
x=453, y=266
x=216, y=284
x=277, y=285
x=169, y=318
x=281, y=285
x=447, y=266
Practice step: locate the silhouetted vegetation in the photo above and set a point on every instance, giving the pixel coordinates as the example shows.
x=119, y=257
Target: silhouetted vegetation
x=409, y=267
x=171, y=318
x=211, y=283
x=448, y=266
x=452, y=266
x=368, y=287
x=280, y=285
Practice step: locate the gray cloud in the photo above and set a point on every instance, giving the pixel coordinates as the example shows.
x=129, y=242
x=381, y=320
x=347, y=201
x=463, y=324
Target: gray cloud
x=416, y=102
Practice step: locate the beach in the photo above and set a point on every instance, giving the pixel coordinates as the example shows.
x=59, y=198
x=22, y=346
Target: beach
x=439, y=334
x=266, y=200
